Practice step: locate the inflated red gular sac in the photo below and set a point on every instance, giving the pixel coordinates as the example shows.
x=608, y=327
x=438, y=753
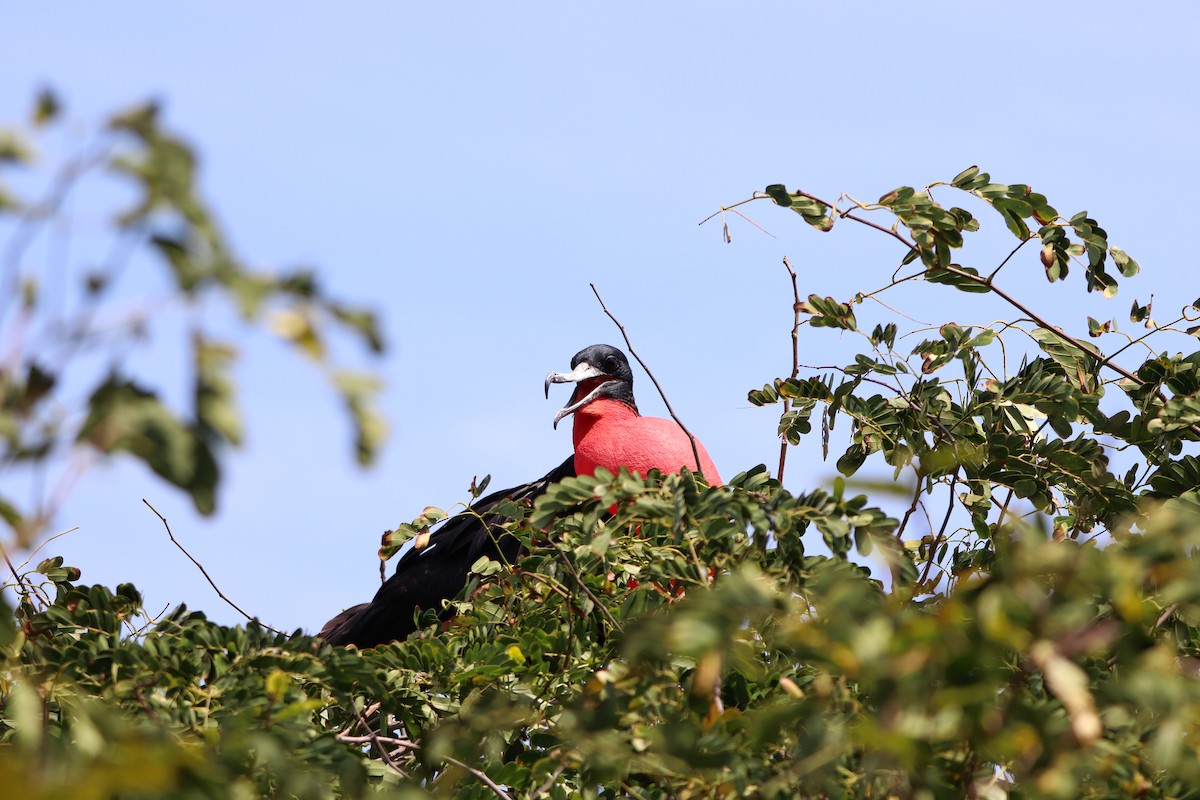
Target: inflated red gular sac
x=609, y=431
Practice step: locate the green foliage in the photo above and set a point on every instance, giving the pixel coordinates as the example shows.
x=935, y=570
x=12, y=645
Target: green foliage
x=684, y=645
x=1029, y=626
x=168, y=228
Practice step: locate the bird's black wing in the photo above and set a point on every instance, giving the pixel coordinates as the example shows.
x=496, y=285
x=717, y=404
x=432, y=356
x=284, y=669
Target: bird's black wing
x=426, y=577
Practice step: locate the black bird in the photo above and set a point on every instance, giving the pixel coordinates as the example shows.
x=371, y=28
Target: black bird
x=608, y=432
x=427, y=576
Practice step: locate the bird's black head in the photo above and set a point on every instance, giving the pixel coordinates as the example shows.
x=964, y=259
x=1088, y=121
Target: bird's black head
x=597, y=371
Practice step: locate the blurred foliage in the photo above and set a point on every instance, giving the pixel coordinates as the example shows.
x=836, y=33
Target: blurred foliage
x=1036, y=632
x=69, y=325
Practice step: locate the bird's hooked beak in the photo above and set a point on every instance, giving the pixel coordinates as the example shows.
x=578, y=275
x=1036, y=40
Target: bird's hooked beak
x=583, y=372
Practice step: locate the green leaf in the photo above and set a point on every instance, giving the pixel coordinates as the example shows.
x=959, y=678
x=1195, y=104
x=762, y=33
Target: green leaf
x=982, y=339
x=828, y=313
x=10, y=514
x=961, y=282
x=1138, y=313
x=359, y=390
x=14, y=148
x=964, y=178
x=125, y=417
x=814, y=212
x=485, y=567
x=851, y=460
x=216, y=410
x=46, y=109
x=277, y=684
x=362, y=321
x=1125, y=265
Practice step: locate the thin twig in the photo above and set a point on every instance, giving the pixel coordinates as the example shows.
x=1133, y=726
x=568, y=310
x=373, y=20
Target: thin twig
x=756, y=196
x=1007, y=258
x=37, y=549
x=862, y=220
x=579, y=580
x=25, y=589
x=783, y=446
x=1132, y=342
x=1165, y=615
x=895, y=311
x=911, y=508
x=542, y=579
x=937, y=540
x=372, y=738
x=30, y=223
x=204, y=572
x=661, y=393
x=482, y=776
x=895, y=282
x=1004, y=508
x=752, y=222
x=376, y=741
x=545, y=787
x=1042, y=323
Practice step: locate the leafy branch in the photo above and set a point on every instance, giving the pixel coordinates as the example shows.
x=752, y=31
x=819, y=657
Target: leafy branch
x=57, y=320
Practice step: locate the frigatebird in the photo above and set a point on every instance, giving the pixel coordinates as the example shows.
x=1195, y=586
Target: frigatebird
x=608, y=432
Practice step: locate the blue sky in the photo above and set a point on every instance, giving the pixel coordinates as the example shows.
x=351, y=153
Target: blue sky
x=468, y=169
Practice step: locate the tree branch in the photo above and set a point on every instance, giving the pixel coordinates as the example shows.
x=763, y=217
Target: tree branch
x=482, y=776
x=1007, y=259
x=579, y=581
x=913, y=507
x=1038, y=320
x=937, y=540
x=25, y=590
x=783, y=446
x=545, y=787
x=661, y=393
x=204, y=572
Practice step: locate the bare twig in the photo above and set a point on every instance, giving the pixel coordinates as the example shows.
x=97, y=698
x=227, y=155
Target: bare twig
x=25, y=589
x=913, y=507
x=204, y=572
x=864, y=221
x=372, y=738
x=482, y=776
x=1007, y=259
x=894, y=282
x=1165, y=615
x=752, y=222
x=545, y=787
x=783, y=446
x=377, y=740
x=895, y=311
x=1132, y=342
x=31, y=221
x=37, y=549
x=756, y=196
x=937, y=540
x=661, y=393
x=579, y=580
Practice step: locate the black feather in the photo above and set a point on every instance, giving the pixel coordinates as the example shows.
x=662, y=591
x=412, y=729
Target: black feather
x=425, y=578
